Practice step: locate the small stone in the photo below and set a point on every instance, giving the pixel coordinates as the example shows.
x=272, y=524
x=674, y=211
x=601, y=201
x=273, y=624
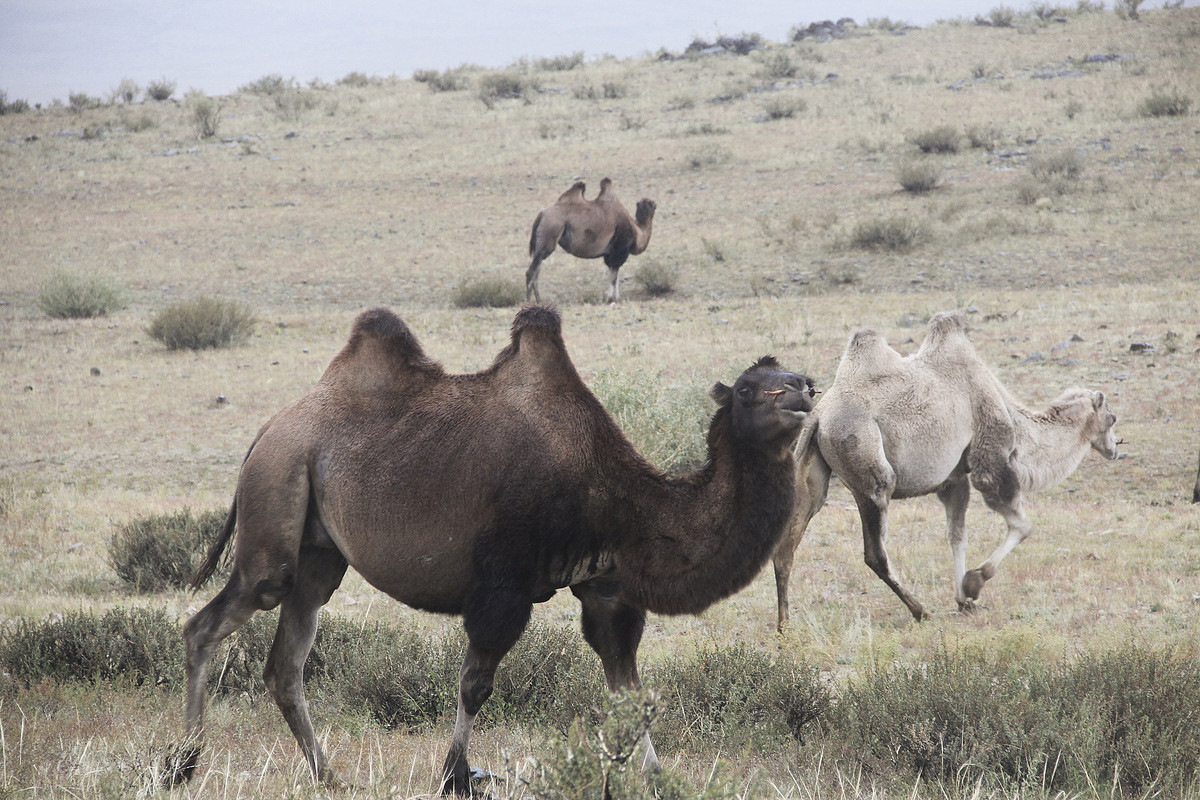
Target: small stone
x=95, y=371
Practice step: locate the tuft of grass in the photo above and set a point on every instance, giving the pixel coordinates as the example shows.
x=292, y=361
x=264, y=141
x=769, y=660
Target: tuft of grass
x=356, y=80
x=127, y=91
x=1165, y=104
x=505, y=85
x=201, y=323
x=161, y=552
x=709, y=155
x=12, y=106
x=777, y=65
x=81, y=101
x=895, y=234
x=66, y=295
x=488, y=293
x=656, y=278
x=268, y=85
x=919, y=177
x=450, y=80
x=785, y=108
x=942, y=139
x=563, y=63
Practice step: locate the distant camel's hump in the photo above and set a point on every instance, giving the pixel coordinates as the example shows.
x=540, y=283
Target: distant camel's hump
x=574, y=194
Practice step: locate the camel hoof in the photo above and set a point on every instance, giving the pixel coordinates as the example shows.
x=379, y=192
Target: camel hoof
x=180, y=765
x=972, y=584
x=967, y=606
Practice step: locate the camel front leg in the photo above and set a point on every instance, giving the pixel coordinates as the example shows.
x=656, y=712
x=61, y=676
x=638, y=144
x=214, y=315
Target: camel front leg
x=614, y=284
x=531, y=280
x=475, y=683
x=812, y=487
x=1019, y=527
x=955, y=494
x=614, y=631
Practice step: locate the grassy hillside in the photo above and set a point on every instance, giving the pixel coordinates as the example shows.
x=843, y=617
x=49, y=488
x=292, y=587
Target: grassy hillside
x=1062, y=218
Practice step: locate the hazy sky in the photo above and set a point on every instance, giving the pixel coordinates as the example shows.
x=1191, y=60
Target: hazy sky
x=50, y=48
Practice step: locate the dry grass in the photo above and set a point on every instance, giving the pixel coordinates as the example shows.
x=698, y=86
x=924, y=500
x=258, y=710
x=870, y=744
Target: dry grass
x=309, y=221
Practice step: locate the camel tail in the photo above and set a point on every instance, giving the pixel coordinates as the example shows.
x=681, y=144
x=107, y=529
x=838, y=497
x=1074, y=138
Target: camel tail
x=213, y=559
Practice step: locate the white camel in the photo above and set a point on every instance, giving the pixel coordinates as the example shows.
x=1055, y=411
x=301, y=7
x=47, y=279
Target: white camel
x=893, y=427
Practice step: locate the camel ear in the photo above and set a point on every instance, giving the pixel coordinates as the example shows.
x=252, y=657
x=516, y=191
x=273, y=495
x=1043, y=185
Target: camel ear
x=721, y=393
x=1097, y=400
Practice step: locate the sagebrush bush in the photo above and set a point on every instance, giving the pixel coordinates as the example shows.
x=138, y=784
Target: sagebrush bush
x=784, y=108
x=1165, y=104
x=162, y=551
x=356, y=80
x=709, y=155
x=450, y=80
x=559, y=63
x=126, y=91
x=488, y=293
x=897, y=234
x=919, y=177
x=656, y=278
x=776, y=66
x=666, y=424
x=160, y=90
x=731, y=697
x=201, y=323
x=504, y=85
x=133, y=645
x=206, y=115
x=268, y=85
x=12, y=106
x=81, y=101
x=942, y=139
x=67, y=295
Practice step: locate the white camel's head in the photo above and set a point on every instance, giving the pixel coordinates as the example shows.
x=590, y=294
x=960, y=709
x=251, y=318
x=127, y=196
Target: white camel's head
x=1097, y=423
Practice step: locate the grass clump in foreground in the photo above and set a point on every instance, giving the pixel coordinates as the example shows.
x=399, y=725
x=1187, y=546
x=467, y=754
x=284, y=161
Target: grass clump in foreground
x=1165, y=104
x=918, y=177
x=65, y=295
x=895, y=234
x=163, y=551
x=202, y=323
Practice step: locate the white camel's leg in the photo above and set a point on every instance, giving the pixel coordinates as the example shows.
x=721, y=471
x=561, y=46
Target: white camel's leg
x=873, y=513
x=812, y=486
x=614, y=631
x=318, y=574
x=955, y=494
x=1019, y=527
x=613, y=293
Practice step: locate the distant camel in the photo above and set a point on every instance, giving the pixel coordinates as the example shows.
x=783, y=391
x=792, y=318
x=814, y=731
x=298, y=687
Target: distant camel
x=894, y=427
x=481, y=495
x=589, y=229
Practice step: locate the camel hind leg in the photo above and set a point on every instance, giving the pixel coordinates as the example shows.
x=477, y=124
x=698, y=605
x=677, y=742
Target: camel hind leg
x=542, y=241
x=318, y=574
x=955, y=494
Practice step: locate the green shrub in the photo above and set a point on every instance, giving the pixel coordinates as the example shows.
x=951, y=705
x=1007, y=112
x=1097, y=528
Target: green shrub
x=709, y=155
x=66, y=295
x=897, y=234
x=12, y=106
x=1002, y=17
x=80, y=101
x=126, y=92
x=942, y=139
x=141, y=122
x=504, y=85
x=488, y=293
x=785, y=108
x=1165, y=104
x=94, y=131
x=356, y=80
x=163, y=551
x=656, y=278
x=601, y=760
x=160, y=90
x=134, y=645
x=776, y=66
x=206, y=114
x=667, y=424
x=451, y=80
x=291, y=104
x=1128, y=9
x=268, y=85
x=559, y=63
x=919, y=177
x=201, y=323
x=734, y=696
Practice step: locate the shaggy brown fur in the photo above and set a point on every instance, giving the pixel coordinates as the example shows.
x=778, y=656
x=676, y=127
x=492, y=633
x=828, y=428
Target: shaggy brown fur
x=589, y=229
x=893, y=427
x=480, y=495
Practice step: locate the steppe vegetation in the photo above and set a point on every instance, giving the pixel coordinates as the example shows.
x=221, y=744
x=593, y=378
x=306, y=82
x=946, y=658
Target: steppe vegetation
x=1062, y=220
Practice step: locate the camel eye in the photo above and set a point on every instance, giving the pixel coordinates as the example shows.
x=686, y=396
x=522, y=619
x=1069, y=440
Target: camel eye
x=744, y=392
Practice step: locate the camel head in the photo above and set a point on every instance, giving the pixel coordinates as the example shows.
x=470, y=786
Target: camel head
x=645, y=211
x=1089, y=411
x=767, y=404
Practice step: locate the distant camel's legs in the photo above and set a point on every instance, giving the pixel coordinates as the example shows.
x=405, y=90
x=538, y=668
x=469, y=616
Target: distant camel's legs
x=542, y=242
x=614, y=630
x=812, y=486
x=614, y=285
x=873, y=513
x=1019, y=527
x=955, y=494
x=531, y=279
x=319, y=572
x=223, y=615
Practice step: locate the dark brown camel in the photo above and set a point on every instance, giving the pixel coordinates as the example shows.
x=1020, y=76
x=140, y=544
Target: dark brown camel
x=481, y=495
x=937, y=421
x=589, y=229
